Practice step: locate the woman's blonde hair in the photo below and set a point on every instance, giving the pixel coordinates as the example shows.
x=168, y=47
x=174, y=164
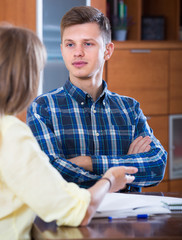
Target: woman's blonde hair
x=22, y=57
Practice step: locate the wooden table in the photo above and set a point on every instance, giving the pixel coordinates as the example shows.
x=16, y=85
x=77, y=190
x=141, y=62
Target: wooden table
x=166, y=226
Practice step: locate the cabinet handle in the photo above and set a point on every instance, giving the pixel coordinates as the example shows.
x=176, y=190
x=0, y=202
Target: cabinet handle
x=140, y=50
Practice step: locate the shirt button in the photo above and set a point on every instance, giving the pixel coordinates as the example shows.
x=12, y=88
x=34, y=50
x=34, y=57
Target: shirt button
x=97, y=134
x=82, y=103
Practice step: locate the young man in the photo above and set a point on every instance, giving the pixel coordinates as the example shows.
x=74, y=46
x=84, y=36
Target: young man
x=83, y=127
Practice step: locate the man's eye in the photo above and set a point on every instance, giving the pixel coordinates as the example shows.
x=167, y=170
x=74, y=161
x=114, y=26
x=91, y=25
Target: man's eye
x=69, y=45
x=88, y=44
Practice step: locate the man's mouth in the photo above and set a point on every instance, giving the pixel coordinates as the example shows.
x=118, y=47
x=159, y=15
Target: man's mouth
x=79, y=64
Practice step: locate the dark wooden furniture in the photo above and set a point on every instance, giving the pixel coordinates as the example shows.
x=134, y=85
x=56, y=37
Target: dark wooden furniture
x=156, y=227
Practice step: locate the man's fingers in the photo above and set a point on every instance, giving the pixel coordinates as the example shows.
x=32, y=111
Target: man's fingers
x=147, y=148
x=139, y=145
x=144, y=144
x=133, y=144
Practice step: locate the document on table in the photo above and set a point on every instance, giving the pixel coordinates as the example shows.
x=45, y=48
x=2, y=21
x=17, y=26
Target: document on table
x=124, y=205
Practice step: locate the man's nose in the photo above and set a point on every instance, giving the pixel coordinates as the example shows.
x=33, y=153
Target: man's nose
x=79, y=51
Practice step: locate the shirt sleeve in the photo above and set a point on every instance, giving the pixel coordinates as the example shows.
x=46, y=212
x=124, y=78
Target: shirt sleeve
x=39, y=121
x=151, y=165
x=28, y=173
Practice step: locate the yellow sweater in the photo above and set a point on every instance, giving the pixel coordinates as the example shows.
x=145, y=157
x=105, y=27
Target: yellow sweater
x=29, y=185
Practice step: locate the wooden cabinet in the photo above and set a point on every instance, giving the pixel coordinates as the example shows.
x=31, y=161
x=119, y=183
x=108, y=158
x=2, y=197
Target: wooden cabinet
x=142, y=74
x=175, y=83
x=19, y=13
x=101, y=5
x=175, y=185
x=169, y=9
x=151, y=72
x=161, y=187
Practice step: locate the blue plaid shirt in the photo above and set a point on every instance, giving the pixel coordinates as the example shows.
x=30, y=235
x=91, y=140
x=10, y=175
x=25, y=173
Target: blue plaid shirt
x=67, y=123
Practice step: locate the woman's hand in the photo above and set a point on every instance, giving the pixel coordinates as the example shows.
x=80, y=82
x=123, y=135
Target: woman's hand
x=119, y=177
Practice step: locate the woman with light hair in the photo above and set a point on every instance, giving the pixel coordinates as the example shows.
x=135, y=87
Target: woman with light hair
x=29, y=184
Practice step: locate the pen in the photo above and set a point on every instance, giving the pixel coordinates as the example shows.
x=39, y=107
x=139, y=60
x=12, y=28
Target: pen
x=142, y=216
x=138, y=216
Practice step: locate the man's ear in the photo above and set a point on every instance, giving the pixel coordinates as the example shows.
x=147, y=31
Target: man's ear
x=109, y=50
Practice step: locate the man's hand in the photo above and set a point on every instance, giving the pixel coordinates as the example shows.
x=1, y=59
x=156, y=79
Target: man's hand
x=140, y=145
x=83, y=161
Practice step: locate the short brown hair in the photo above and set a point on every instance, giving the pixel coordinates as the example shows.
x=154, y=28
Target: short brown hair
x=22, y=56
x=87, y=14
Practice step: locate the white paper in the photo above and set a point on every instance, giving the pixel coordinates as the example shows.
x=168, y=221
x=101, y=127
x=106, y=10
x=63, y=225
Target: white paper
x=123, y=205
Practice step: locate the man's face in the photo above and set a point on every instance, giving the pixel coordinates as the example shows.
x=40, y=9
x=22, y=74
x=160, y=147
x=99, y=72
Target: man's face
x=83, y=50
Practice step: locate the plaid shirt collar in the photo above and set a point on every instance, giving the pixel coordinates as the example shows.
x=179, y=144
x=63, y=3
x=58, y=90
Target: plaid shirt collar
x=81, y=96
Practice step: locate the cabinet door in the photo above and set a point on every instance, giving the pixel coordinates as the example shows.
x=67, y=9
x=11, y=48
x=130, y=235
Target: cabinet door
x=161, y=187
x=175, y=92
x=170, y=10
x=19, y=13
x=175, y=185
x=141, y=74
x=101, y=5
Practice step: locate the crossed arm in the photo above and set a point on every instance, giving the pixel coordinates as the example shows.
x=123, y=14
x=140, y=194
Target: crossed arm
x=139, y=145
